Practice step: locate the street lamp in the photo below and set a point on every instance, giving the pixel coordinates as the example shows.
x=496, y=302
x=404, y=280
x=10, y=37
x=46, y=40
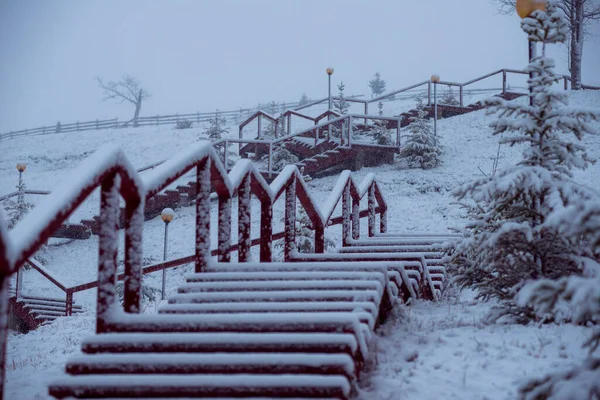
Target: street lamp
x=21, y=167
x=167, y=216
x=329, y=73
x=435, y=79
x=524, y=9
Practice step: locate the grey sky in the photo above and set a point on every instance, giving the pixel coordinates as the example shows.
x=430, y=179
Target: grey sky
x=200, y=55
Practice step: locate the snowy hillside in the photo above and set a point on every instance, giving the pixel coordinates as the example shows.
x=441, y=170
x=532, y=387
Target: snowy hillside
x=443, y=343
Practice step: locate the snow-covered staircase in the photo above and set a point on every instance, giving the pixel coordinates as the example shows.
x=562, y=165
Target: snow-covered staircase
x=252, y=330
x=30, y=312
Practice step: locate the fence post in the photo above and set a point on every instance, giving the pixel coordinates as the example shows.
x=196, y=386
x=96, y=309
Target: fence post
x=43, y=130
x=157, y=120
x=77, y=126
x=346, y=214
x=371, y=208
x=197, y=117
x=96, y=123
x=503, y=81
x=116, y=122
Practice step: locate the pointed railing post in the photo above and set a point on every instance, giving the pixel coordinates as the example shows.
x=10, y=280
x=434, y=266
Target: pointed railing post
x=224, y=234
x=290, y=219
x=132, y=284
x=244, y=219
x=356, y=218
x=108, y=250
x=266, y=231
x=202, y=215
x=371, y=208
x=346, y=226
x=4, y=301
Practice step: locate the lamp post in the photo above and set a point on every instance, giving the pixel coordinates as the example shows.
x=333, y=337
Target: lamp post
x=21, y=167
x=329, y=73
x=166, y=215
x=524, y=9
x=435, y=79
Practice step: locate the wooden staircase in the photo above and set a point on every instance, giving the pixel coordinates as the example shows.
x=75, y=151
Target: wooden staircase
x=252, y=330
x=30, y=312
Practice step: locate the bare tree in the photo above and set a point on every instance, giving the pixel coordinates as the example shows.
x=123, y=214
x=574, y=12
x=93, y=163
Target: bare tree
x=579, y=14
x=127, y=89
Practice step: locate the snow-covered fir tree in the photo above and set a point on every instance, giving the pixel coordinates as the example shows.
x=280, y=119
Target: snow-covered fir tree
x=17, y=209
x=273, y=107
x=421, y=147
x=449, y=98
x=341, y=105
x=305, y=236
x=303, y=100
x=217, y=127
x=217, y=130
x=380, y=108
x=377, y=85
x=381, y=133
x=281, y=156
x=509, y=238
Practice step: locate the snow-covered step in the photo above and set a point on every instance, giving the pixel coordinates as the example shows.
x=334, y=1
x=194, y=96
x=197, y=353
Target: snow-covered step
x=300, y=295
x=213, y=363
x=278, y=285
x=366, y=312
x=225, y=342
x=60, y=309
x=201, y=385
x=432, y=252
x=280, y=275
x=35, y=303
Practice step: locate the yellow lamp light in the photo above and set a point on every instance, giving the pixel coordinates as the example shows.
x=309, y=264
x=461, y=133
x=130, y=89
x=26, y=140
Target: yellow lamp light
x=21, y=167
x=526, y=7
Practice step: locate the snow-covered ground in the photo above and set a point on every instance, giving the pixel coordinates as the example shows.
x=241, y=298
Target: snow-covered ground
x=440, y=350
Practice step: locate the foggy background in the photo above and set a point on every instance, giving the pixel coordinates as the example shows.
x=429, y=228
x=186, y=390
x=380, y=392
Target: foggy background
x=200, y=55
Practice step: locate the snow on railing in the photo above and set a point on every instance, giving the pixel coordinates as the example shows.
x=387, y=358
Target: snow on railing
x=110, y=169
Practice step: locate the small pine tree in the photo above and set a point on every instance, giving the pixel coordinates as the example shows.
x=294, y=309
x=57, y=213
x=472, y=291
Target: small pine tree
x=380, y=108
x=281, y=157
x=449, y=98
x=421, y=148
x=377, y=85
x=273, y=108
x=16, y=210
x=305, y=237
x=303, y=100
x=341, y=105
x=510, y=238
x=217, y=128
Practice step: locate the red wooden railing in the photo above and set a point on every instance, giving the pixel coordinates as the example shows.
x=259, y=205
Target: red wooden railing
x=110, y=169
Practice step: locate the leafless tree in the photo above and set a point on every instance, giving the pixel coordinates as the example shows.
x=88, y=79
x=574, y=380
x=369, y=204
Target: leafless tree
x=127, y=89
x=579, y=14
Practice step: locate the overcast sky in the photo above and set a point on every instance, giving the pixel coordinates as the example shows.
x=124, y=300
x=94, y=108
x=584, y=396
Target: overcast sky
x=200, y=55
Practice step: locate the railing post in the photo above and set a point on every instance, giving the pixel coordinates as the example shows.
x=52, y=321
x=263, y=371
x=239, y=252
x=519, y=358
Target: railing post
x=69, y=304
x=132, y=283
x=226, y=155
x=371, y=208
x=224, y=229
x=259, y=126
x=240, y=143
x=346, y=214
x=290, y=219
x=566, y=83
x=383, y=219
x=319, y=238
x=349, y=131
x=503, y=81
x=244, y=219
x=270, y=162
x=355, y=218
x=197, y=117
x=108, y=250
x=366, y=111
x=462, y=99
x=398, y=127
x=289, y=124
x=4, y=302
x=316, y=136
x=266, y=231
x=19, y=288
x=202, y=215
x=429, y=93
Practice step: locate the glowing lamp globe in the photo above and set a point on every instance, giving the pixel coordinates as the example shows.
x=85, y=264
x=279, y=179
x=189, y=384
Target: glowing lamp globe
x=526, y=7
x=435, y=78
x=167, y=215
x=21, y=167
x=329, y=71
